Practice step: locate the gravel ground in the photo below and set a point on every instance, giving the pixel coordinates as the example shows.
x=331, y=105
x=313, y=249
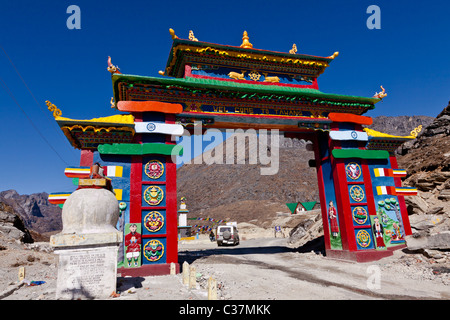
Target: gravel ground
x=257, y=269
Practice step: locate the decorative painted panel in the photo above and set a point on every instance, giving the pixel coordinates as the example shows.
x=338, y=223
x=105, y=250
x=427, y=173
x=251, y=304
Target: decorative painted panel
x=153, y=169
x=153, y=222
x=357, y=193
x=387, y=205
x=364, y=239
x=360, y=215
x=353, y=171
x=133, y=243
x=153, y=195
x=154, y=250
x=332, y=213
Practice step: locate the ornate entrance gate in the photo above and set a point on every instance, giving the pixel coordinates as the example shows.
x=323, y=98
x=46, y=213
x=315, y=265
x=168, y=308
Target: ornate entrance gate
x=362, y=201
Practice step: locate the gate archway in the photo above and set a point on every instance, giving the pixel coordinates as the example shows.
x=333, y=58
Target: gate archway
x=239, y=87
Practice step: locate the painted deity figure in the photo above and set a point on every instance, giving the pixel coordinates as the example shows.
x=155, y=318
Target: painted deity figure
x=332, y=215
x=133, y=245
x=378, y=232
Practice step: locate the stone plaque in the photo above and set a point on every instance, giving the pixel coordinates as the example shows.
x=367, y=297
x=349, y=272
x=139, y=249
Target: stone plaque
x=88, y=273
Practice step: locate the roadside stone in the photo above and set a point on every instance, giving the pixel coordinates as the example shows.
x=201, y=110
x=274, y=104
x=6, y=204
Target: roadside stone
x=439, y=240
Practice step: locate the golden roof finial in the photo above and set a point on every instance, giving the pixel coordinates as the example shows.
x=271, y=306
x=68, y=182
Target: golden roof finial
x=245, y=42
x=294, y=49
x=416, y=131
x=381, y=94
x=191, y=36
x=334, y=55
x=172, y=33
x=53, y=108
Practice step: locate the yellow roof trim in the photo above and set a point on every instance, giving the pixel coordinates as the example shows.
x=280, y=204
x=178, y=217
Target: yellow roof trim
x=116, y=119
x=374, y=133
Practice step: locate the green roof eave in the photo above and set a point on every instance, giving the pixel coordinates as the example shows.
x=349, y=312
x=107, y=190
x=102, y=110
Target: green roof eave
x=241, y=87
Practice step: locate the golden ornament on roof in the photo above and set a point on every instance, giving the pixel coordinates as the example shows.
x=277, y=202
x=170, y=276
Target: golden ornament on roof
x=254, y=75
x=245, y=42
x=53, y=108
x=381, y=94
x=191, y=36
x=334, y=55
x=172, y=33
x=416, y=131
x=294, y=49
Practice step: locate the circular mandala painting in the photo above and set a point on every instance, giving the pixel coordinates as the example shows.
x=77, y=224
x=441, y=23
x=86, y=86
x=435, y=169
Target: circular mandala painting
x=153, y=250
x=154, y=221
x=353, y=170
x=153, y=195
x=154, y=169
x=357, y=193
x=363, y=238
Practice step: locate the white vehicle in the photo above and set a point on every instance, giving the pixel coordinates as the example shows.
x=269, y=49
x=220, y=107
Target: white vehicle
x=227, y=235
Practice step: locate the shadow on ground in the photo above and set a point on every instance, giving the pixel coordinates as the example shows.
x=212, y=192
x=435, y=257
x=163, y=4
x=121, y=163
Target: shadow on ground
x=317, y=245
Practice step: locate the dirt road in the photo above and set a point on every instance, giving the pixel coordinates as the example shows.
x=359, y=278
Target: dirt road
x=257, y=269
x=267, y=269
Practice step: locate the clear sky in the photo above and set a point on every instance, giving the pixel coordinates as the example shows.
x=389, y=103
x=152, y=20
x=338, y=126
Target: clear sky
x=409, y=56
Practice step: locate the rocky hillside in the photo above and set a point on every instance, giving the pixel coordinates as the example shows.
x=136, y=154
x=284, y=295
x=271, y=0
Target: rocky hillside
x=427, y=161
x=36, y=212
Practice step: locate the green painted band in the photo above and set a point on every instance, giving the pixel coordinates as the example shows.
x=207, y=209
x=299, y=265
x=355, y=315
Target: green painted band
x=136, y=149
x=360, y=153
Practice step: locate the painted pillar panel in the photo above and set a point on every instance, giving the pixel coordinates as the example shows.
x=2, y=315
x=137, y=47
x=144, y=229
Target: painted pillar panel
x=401, y=199
x=153, y=195
x=154, y=222
x=345, y=215
x=330, y=211
x=154, y=251
x=388, y=209
x=171, y=209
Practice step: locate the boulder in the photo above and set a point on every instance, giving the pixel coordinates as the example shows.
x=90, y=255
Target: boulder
x=12, y=225
x=307, y=230
x=416, y=205
x=421, y=240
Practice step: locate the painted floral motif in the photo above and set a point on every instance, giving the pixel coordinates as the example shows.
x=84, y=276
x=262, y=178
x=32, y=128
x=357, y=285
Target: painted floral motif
x=153, y=250
x=154, y=221
x=153, y=195
x=353, y=170
x=154, y=169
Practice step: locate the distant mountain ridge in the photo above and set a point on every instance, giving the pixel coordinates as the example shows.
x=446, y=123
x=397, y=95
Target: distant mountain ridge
x=214, y=189
x=36, y=212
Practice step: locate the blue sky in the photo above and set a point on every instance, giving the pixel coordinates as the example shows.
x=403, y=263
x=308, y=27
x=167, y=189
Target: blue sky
x=409, y=56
